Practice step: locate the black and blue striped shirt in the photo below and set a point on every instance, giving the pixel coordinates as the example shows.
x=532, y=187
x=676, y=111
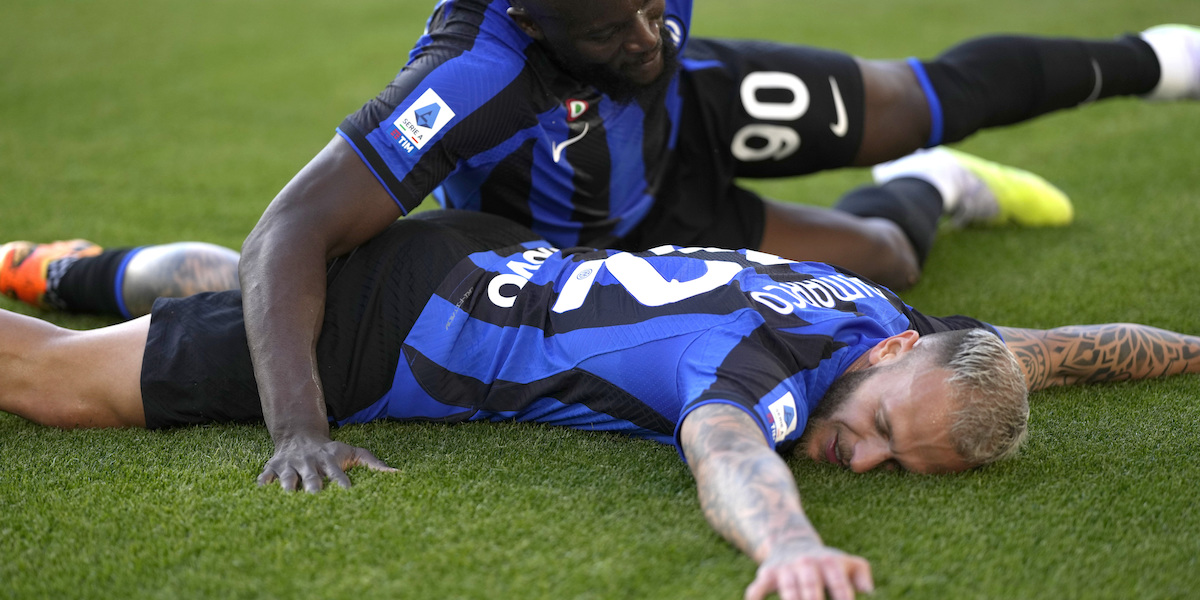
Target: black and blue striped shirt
x=483, y=119
x=632, y=342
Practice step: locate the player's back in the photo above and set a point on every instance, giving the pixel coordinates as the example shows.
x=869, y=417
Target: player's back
x=611, y=340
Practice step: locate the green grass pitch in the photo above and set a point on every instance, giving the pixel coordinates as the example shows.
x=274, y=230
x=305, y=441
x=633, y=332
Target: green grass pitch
x=134, y=122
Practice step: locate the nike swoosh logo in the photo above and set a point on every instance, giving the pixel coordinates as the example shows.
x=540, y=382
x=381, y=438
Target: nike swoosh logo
x=842, y=124
x=1095, y=95
x=558, y=148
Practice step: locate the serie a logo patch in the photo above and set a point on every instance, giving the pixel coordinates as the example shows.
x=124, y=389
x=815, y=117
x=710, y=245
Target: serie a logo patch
x=782, y=416
x=424, y=119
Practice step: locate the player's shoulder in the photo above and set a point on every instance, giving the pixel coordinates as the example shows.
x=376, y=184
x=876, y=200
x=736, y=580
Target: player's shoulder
x=471, y=53
x=480, y=28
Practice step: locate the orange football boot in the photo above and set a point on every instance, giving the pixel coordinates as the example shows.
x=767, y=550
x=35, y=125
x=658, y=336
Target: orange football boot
x=23, y=267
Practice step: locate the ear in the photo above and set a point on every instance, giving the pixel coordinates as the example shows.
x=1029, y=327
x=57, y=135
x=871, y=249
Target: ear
x=521, y=17
x=893, y=347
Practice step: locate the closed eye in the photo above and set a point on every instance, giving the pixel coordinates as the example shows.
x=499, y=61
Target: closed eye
x=603, y=35
x=885, y=432
x=881, y=424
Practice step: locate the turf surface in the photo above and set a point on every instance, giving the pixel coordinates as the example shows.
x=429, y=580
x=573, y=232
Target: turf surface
x=157, y=120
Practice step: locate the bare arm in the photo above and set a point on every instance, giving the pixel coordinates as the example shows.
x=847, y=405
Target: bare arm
x=749, y=496
x=328, y=208
x=1097, y=353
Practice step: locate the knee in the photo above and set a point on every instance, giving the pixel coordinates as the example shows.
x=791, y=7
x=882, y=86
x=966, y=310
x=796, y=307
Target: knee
x=177, y=270
x=871, y=246
x=891, y=259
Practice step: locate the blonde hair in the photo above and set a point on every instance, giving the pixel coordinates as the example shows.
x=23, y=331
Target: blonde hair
x=991, y=421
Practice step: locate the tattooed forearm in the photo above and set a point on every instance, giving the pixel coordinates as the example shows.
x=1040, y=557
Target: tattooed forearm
x=746, y=490
x=1099, y=353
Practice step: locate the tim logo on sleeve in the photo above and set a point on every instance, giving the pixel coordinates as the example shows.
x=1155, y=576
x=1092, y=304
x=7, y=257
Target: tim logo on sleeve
x=423, y=119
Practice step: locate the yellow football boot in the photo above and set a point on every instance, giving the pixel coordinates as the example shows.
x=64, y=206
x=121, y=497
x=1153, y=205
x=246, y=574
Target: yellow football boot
x=978, y=192
x=1020, y=197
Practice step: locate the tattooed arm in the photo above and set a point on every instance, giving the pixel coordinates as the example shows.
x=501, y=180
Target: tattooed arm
x=749, y=496
x=1099, y=353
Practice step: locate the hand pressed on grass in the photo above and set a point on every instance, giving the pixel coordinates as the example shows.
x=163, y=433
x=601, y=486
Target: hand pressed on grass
x=309, y=461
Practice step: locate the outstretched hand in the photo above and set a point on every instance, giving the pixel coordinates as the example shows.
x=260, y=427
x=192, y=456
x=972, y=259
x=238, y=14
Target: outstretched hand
x=308, y=462
x=806, y=572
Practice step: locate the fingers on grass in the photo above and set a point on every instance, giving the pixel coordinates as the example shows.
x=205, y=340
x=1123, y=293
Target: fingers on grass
x=313, y=481
x=836, y=580
x=842, y=576
x=807, y=584
x=338, y=476
x=861, y=574
x=267, y=477
x=369, y=460
x=762, y=585
x=288, y=479
x=786, y=583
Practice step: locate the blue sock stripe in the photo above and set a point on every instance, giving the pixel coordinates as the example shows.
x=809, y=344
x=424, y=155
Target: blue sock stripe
x=119, y=282
x=936, y=124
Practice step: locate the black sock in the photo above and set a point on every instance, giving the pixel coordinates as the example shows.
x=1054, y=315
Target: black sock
x=1000, y=80
x=912, y=204
x=90, y=284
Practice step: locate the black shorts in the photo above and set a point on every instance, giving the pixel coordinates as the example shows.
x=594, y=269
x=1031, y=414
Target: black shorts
x=196, y=367
x=750, y=109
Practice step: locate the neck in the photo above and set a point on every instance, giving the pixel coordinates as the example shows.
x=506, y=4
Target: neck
x=859, y=363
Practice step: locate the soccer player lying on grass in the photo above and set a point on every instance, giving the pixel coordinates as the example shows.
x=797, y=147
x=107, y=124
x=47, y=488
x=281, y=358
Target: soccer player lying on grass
x=733, y=357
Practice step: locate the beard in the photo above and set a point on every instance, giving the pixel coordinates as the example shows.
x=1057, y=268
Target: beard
x=623, y=90
x=835, y=398
x=838, y=393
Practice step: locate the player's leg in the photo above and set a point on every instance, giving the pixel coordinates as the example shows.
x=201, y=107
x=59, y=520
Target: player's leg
x=65, y=378
x=799, y=110
x=794, y=110
x=759, y=109
x=1000, y=80
x=874, y=247
x=996, y=81
x=175, y=271
x=77, y=276
x=1177, y=48
x=886, y=231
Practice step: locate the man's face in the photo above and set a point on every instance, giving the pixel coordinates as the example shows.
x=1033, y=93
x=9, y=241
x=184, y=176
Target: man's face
x=891, y=415
x=619, y=46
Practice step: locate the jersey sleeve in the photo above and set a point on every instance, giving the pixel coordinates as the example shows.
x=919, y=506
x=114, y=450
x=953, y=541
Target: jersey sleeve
x=463, y=92
x=750, y=376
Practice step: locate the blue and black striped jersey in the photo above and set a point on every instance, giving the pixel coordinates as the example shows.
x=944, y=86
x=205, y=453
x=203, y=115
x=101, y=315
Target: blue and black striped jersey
x=481, y=117
x=631, y=342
